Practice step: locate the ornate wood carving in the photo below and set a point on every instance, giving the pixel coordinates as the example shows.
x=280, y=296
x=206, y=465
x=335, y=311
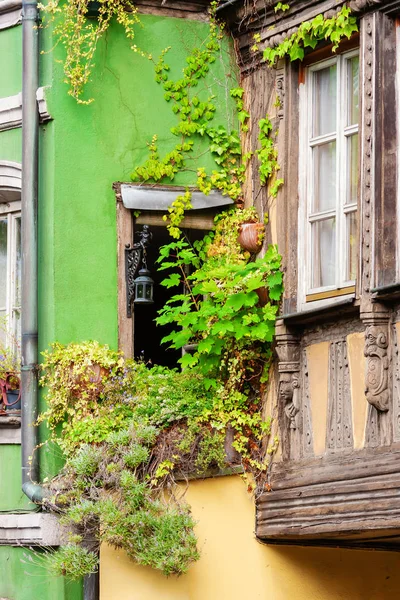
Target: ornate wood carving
x=289, y=396
x=377, y=378
x=280, y=92
x=308, y=440
x=340, y=426
x=289, y=404
x=377, y=375
x=396, y=386
x=367, y=129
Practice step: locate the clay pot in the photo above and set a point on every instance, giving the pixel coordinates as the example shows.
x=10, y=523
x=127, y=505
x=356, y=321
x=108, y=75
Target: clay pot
x=251, y=236
x=262, y=294
x=95, y=385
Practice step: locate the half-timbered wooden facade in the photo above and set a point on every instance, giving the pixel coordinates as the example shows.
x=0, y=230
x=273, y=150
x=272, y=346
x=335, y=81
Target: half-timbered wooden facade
x=336, y=480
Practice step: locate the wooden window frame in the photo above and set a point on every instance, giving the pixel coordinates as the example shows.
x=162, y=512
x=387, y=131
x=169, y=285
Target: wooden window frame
x=323, y=295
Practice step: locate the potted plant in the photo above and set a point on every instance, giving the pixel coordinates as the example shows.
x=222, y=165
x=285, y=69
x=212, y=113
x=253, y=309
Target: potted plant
x=10, y=392
x=251, y=236
x=74, y=376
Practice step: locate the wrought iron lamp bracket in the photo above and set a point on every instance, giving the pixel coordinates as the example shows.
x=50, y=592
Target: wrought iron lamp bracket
x=134, y=255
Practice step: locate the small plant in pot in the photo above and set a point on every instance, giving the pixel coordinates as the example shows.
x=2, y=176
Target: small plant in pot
x=10, y=391
x=251, y=236
x=74, y=376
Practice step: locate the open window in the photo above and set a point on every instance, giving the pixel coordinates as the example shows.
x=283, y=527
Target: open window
x=139, y=336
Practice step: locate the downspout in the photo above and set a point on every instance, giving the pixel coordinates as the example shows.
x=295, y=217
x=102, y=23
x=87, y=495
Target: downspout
x=29, y=283
x=29, y=279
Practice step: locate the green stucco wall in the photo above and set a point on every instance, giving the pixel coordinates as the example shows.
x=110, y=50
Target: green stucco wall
x=11, y=496
x=84, y=150
x=91, y=147
x=11, y=145
x=11, y=61
x=23, y=577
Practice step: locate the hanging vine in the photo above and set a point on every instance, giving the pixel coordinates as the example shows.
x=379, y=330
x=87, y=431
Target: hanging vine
x=80, y=35
x=310, y=33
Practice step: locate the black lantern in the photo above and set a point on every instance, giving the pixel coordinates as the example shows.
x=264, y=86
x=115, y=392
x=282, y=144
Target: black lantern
x=143, y=287
x=139, y=290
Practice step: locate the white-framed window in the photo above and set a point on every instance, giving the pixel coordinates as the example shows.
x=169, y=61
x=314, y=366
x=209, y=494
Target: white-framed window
x=329, y=114
x=10, y=273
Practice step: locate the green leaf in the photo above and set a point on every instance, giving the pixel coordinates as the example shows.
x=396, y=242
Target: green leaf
x=188, y=360
x=237, y=301
x=172, y=281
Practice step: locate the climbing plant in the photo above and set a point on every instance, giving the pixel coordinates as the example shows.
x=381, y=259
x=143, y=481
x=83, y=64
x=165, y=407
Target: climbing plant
x=129, y=431
x=310, y=33
x=79, y=35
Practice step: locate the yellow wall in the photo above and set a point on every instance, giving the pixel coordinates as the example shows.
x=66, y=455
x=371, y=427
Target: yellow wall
x=235, y=566
x=318, y=361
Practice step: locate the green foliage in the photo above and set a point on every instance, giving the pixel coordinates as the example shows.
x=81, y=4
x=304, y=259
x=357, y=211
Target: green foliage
x=118, y=483
x=72, y=561
x=310, y=33
x=281, y=6
x=10, y=356
x=156, y=169
x=176, y=213
x=222, y=314
x=195, y=113
x=80, y=35
x=267, y=155
x=74, y=377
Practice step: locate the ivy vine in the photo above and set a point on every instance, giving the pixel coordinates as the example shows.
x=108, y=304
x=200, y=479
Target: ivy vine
x=195, y=120
x=310, y=33
x=80, y=35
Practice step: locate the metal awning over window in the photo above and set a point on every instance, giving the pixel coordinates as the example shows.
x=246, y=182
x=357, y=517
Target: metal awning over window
x=149, y=197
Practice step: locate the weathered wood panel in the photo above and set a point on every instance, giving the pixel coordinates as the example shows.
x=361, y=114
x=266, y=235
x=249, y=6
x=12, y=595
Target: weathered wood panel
x=385, y=153
x=124, y=236
x=347, y=465
x=351, y=507
x=195, y=9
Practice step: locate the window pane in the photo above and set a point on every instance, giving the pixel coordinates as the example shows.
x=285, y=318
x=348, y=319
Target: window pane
x=352, y=165
x=3, y=330
x=3, y=262
x=324, y=166
x=324, y=101
x=351, y=270
x=353, y=90
x=16, y=334
x=17, y=300
x=324, y=253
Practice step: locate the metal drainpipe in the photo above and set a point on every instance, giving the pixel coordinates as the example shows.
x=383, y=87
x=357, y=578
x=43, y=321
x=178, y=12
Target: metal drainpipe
x=29, y=283
x=29, y=280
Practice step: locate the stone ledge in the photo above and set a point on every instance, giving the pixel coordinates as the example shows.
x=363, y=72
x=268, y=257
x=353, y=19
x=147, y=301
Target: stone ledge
x=10, y=13
x=10, y=429
x=11, y=109
x=30, y=529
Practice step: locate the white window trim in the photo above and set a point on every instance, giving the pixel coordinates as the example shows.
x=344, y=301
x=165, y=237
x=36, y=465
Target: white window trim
x=305, y=198
x=10, y=181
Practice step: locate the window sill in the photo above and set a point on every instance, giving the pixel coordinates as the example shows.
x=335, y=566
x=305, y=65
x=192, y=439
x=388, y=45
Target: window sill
x=386, y=293
x=342, y=305
x=211, y=473
x=10, y=429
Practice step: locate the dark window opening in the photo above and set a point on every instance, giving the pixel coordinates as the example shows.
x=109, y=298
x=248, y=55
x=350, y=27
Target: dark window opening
x=147, y=334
